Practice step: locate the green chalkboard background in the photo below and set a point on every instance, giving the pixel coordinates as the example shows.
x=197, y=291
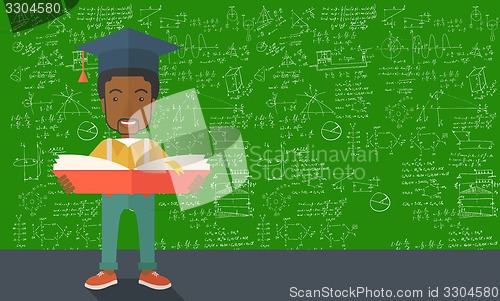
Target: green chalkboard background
x=412, y=85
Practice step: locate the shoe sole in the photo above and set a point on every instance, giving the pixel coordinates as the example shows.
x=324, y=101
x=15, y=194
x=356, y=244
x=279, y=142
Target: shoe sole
x=155, y=287
x=102, y=286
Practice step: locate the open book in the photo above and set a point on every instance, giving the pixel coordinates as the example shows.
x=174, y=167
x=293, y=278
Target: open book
x=95, y=175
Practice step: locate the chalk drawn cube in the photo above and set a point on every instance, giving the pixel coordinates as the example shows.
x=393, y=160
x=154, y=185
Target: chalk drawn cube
x=477, y=80
x=233, y=80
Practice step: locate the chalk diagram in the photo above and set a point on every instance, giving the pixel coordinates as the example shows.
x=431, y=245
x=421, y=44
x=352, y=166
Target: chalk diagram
x=314, y=105
x=476, y=17
x=16, y=75
x=264, y=19
x=190, y=46
x=248, y=25
x=260, y=75
x=231, y=51
x=337, y=234
x=273, y=166
x=49, y=233
x=476, y=51
x=89, y=60
x=28, y=102
x=233, y=79
x=231, y=16
x=433, y=190
x=391, y=47
x=424, y=49
x=261, y=46
x=380, y=202
x=410, y=23
x=32, y=201
x=299, y=22
x=20, y=20
x=146, y=13
x=273, y=102
x=87, y=131
x=331, y=131
x=440, y=102
x=231, y=202
x=398, y=113
x=465, y=141
x=427, y=141
x=55, y=23
x=293, y=232
x=477, y=80
x=32, y=167
x=43, y=60
x=70, y=105
x=358, y=187
x=384, y=140
x=476, y=194
x=325, y=62
x=492, y=25
x=276, y=201
x=173, y=22
x=390, y=13
x=287, y=60
x=17, y=46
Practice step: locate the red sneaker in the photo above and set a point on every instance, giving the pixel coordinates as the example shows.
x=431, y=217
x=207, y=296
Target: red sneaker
x=100, y=281
x=155, y=281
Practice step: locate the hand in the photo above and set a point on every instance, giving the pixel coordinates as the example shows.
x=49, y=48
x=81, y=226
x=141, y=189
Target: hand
x=178, y=169
x=197, y=183
x=66, y=184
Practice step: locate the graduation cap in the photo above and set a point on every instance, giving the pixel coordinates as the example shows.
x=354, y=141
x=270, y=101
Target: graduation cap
x=126, y=48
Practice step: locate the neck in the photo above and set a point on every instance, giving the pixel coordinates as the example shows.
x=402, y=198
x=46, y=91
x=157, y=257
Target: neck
x=128, y=136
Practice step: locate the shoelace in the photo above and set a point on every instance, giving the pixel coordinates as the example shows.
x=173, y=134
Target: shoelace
x=100, y=274
x=155, y=274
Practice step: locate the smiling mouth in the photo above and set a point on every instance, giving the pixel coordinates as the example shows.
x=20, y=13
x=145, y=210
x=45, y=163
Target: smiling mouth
x=126, y=123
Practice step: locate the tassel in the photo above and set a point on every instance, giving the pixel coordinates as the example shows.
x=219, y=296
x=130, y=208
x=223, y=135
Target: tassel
x=83, y=76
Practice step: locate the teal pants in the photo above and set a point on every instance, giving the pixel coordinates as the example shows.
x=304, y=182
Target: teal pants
x=144, y=209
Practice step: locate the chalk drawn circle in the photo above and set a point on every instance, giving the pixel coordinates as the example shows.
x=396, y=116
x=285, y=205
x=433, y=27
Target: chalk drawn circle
x=17, y=46
x=492, y=25
x=476, y=15
x=232, y=15
x=380, y=202
x=391, y=48
x=87, y=131
x=331, y=131
x=261, y=46
x=248, y=24
x=25, y=162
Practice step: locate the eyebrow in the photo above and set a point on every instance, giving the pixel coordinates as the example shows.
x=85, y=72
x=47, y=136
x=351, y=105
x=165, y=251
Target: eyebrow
x=141, y=90
x=115, y=90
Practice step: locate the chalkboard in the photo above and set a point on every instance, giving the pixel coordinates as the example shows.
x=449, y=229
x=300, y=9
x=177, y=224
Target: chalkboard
x=364, y=124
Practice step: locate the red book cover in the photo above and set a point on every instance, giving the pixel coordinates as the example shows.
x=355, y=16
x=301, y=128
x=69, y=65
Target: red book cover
x=112, y=178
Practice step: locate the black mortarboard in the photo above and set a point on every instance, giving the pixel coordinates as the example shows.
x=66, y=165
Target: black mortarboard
x=127, y=48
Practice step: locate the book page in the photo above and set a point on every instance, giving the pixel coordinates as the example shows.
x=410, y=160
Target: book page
x=187, y=162
x=158, y=164
x=80, y=162
x=190, y=162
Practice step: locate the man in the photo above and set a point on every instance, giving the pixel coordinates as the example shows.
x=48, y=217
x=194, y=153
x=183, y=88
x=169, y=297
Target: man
x=128, y=86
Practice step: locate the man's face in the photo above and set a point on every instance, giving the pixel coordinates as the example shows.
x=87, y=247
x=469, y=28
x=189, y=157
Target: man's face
x=127, y=104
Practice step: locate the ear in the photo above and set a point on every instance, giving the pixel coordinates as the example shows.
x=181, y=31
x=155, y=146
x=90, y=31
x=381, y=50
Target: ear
x=153, y=101
x=103, y=105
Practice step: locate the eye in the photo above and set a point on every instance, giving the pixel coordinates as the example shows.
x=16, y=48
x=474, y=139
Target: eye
x=115, y=98
x=141, y=98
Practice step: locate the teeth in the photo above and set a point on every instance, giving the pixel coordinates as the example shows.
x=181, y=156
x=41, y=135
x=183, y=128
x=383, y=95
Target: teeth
x=127, y=122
